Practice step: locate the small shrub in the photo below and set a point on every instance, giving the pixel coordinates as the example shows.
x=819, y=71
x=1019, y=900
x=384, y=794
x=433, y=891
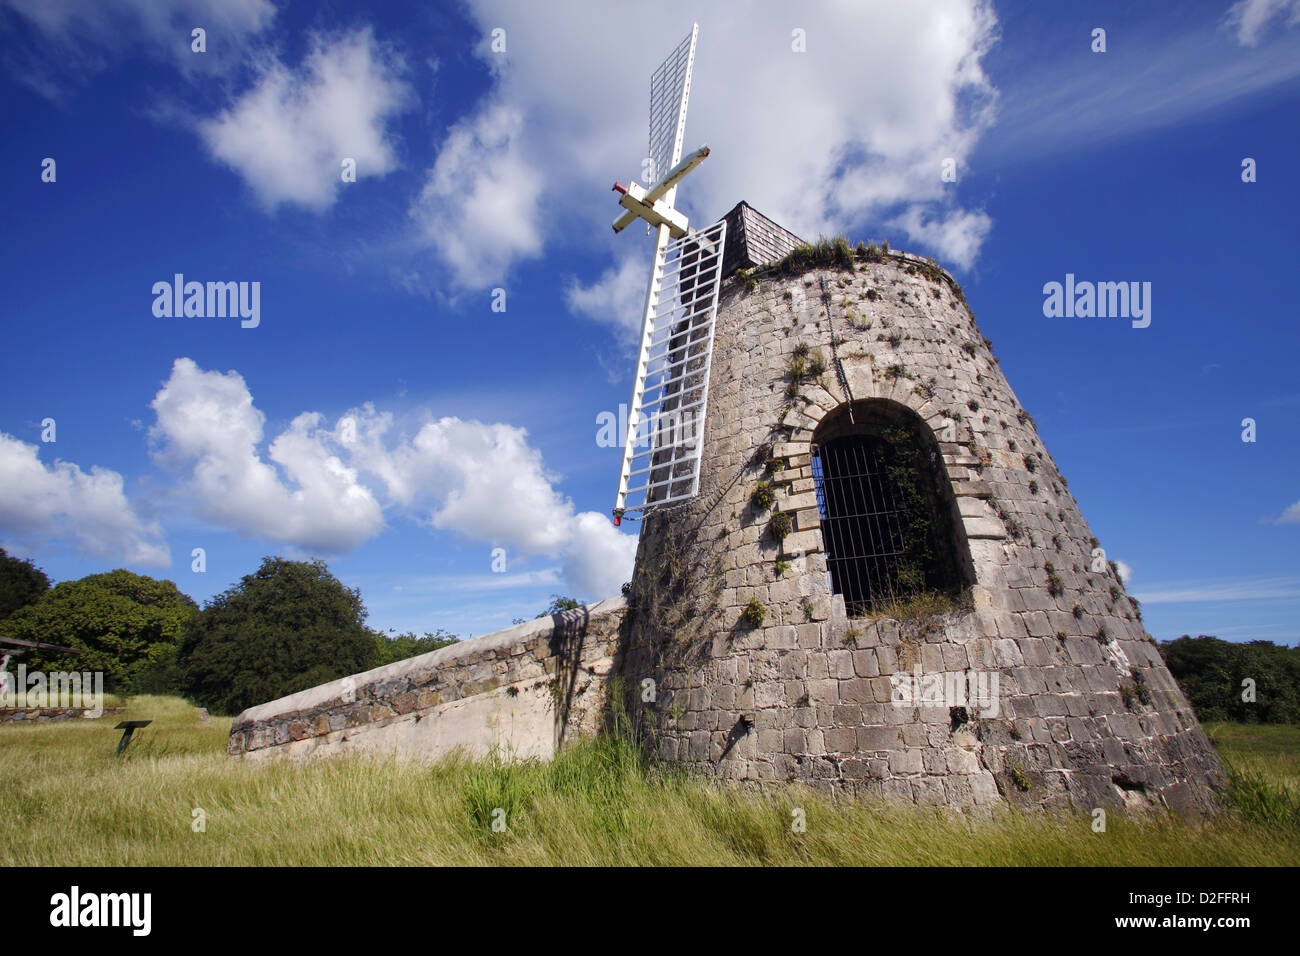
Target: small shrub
x=779, y=526
x=1055, y=586
x=763, y=496
x=754, y=613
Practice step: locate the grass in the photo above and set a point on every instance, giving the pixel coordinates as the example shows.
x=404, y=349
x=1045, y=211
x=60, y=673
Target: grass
x=65, y=799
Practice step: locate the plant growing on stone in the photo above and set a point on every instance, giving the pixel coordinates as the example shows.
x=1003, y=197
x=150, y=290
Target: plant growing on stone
x=763, y=496
x=753, y=613
x=780, y=567
x=779, y=526
x=1055, y=586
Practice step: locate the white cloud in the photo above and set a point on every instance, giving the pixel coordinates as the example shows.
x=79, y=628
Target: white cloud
x=1261, y=589
x=479, y=209
x=326, y=488
x=1125, y=571
x=956, y=239
x=208, y=427
x=1063, y=100
x=288, y=135
x=617, y=297
x=1250, y=17
x=1290, y=516
x=84, y=38
x=486, y=483
x=91, y=510
x=853, y=130
x=600, y=558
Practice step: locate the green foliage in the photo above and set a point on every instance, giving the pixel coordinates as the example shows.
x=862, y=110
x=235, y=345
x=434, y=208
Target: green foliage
x=126, y=624
x=559, y=604
x=21, y=584
x=763, y=496
x=754, y=613
x=824, y=254
x=597, y=803
x=288, y=626
x=925, y=563
x=779, y=526
x=1211, y=673
x=780, y=567
x=391, y=649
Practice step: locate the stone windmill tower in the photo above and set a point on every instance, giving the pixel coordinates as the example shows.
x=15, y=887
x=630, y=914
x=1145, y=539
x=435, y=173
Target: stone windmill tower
x=858, y=565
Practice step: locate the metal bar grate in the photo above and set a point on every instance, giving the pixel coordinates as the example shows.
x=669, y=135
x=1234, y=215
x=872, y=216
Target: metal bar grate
x=662, y=461
x=862, y=519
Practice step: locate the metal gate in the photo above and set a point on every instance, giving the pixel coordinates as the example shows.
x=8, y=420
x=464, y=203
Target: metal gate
x=862, y=519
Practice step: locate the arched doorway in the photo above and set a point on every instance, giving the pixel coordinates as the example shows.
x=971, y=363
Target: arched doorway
x=888, y=519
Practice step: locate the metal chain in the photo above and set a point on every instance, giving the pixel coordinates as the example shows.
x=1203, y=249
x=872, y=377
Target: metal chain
x=835, y=354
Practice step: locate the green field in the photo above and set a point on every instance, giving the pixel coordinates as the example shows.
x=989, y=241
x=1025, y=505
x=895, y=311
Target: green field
x=66, y=799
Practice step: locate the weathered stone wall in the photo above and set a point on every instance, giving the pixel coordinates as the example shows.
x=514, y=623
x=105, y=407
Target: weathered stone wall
x=1086, y=711
x=524, y=690
x=17, y=715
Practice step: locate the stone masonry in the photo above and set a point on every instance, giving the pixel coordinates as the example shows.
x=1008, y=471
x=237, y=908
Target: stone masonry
x=734, y=656
x=1085, y=711
x=524, y=691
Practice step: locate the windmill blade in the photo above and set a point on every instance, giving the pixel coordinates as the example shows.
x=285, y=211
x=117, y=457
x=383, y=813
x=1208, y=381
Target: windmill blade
x=661, y=453
x=670, y=92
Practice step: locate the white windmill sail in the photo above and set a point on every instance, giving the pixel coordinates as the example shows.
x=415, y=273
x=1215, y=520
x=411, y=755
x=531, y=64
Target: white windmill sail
x=661, y=452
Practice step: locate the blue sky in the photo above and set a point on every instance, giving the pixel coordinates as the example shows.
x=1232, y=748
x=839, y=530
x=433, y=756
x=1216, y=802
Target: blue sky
x=382, y=416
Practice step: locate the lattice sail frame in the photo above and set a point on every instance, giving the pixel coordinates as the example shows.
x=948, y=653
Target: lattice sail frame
x=670, y=92
x=665, y=422
x=670, y=400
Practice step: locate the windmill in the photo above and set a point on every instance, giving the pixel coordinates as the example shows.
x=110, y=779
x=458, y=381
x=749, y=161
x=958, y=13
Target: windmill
x=665, y=423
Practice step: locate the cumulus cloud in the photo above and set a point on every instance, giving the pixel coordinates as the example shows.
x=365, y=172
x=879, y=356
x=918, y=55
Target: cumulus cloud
x=208, y=428
x=480, y=206
x=325, y=487
x=616, y=298
x=486, y=483
x=63, y=502
x=288, y=135
x=1125, y=571
x=1250, y=17
x=600, y=558
x=851, y=132
x=1290, y=516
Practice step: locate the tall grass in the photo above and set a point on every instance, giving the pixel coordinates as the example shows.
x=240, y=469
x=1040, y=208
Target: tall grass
x=66, y=799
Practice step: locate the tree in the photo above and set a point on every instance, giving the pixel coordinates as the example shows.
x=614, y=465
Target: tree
x=559, y=604
x=21, y=584
x=128, y=626
x=1211, y=673
x=399, y=648
x=288, y=626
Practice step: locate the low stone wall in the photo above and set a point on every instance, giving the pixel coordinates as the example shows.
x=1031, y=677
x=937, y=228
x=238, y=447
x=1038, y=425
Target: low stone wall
x=525, y=690
x=17, y=715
